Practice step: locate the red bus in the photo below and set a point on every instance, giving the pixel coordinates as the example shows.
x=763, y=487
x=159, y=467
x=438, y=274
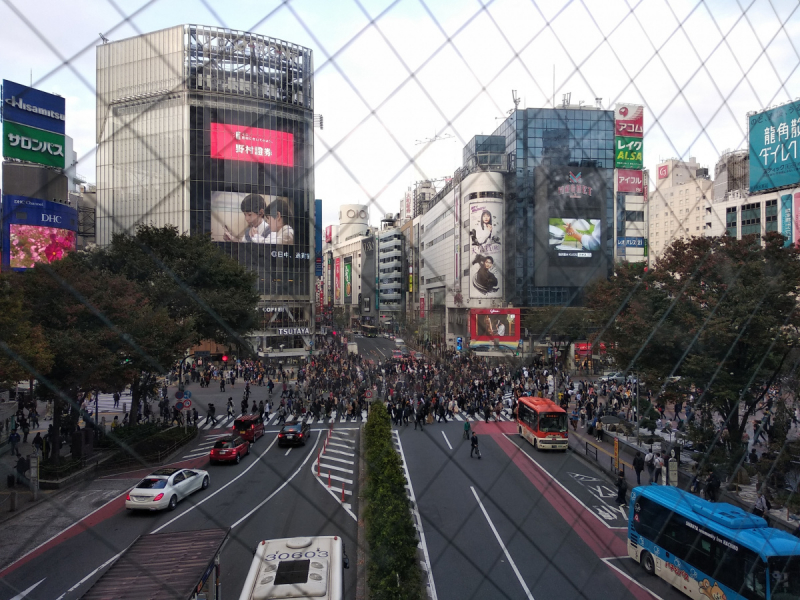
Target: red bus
x=543, y=423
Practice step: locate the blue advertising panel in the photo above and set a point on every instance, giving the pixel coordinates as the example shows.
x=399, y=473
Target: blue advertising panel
x=786, y=219
x=34, y=108
x=36, y=231
x=318, y=237
x=774, y=136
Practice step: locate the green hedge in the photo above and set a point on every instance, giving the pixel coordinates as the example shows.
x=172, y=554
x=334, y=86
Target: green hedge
x=392, y=565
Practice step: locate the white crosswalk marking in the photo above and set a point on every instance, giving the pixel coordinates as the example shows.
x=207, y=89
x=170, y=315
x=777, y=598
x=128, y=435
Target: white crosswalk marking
x=326, y=476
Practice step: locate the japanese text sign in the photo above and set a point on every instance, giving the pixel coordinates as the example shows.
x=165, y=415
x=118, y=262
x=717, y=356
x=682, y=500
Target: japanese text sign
x=774, y=136
x=252, y=144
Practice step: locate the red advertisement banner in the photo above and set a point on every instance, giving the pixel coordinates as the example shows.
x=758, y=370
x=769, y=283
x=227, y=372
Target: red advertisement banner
x=630, y=180
x=629, y=120
x=252, y=144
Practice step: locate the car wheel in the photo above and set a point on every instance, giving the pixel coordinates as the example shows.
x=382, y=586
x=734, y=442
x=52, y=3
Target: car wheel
x=205, y=482
x=238, y=459
x=647, y=562
x=173, y=502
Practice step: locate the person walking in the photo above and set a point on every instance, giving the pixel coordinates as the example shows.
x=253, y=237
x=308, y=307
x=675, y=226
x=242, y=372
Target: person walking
x=211, y=416
x=13, y=440
x=761, y=506
x=466, y=430
x=474, y=446
x=622, y=489
x=658, y=463
x=638, y=466
x=650, y=463
x=222, y=384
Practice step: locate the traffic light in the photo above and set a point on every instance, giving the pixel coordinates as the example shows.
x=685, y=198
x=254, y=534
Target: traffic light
x=459, y=344
x=224, y=358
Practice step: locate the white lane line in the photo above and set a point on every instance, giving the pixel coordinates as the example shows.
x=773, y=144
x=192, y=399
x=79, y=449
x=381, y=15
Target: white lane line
x=191, y=508
x=329, y=451
x=283, y=485
x=418, y=518
x=340, y=445
x=502, y=545
x=561, y=485
x=446, y=440
x=341, y=460
x=287, y=452
x=336, y=478
x=24, y=593
x=335, y=468
x=90, y=575
x=624, y=574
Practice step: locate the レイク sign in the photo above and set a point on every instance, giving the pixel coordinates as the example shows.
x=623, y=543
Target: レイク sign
x=252, y=144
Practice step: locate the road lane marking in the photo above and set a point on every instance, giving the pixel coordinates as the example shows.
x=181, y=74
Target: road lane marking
x=561, y=485
x=340, y=445
x=335, y=468
x=626, y=576
x=446, y=440
x=90, y=575
x=25, y=593
x=502, y=545
x=340, y=452
x=191, y=508
x=283, y=485
x=341, y=460
x=287, y=452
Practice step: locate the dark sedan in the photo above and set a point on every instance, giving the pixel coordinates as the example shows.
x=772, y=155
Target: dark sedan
x=294, y=434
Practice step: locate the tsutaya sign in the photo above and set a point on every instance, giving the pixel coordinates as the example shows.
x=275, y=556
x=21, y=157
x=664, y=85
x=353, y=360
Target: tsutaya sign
x=290, y=331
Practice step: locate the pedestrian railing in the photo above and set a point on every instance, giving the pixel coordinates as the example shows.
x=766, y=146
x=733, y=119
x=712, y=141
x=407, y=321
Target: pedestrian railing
x=591, y=450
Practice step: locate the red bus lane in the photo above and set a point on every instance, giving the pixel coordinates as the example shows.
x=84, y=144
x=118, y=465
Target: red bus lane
x=605, y=543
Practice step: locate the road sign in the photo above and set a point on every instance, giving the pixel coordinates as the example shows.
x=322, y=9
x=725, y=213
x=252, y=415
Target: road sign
x=187, y=394
x=179, y=395
x=368, y=394
x=187, y=404
x=179, y=406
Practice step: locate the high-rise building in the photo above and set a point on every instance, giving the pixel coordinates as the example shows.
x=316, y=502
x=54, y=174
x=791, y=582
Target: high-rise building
x=731, y=175
x=211, y=130
x=680, y=205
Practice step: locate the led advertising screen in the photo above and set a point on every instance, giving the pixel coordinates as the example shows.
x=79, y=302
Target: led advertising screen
x=36, y=231
x=490, y=325
x=337, y=279
x=486, y=249
x=348, y=279
x=774, y=160
x=252, y=144
x=318, y=237
x=251, y=218
x=571, y=233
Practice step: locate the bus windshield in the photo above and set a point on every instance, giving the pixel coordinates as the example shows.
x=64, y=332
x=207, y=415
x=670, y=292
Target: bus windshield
x=783, y=585
x=553, y=423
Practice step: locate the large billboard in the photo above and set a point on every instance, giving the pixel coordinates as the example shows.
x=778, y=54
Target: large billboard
x=252, y=218
x=318, y=237
x=629, y=120
x=773, y=139
x=36, y=231
x=628, y=153
x=33, y=125
x=630, y=181
x=571, y=231
x=486, y=248
x=252, y=144
x=490, y=327
x=348, y=279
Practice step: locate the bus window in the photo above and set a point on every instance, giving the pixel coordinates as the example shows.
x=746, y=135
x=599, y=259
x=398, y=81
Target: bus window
x=553, y=423
x=784, y=577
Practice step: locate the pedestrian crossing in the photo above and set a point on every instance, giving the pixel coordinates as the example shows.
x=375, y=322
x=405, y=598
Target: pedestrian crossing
x=226, y=422
x=335, y=467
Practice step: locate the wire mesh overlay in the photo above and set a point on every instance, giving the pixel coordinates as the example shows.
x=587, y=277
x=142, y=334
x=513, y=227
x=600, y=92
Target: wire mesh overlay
x=696, y=66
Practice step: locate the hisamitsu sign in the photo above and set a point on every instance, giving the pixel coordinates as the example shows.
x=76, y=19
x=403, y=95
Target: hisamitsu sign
x=34, y=108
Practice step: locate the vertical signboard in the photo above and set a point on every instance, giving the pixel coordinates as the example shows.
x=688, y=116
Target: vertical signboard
x=457, y=229
x=329, y=234
x=786, y=220
x=337, y=280
x=33, y=125
x=629, y=130
x=422, y=307
x=318, y=238
x=796, y=220
x=773, y=141
x=630, y=181
x=486, y=250
x=348, y=280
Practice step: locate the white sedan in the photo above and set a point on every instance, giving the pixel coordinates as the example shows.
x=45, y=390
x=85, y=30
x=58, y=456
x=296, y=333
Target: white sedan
x=165, y=487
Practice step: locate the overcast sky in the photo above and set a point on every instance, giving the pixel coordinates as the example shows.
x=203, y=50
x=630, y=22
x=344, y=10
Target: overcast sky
x=391, y=74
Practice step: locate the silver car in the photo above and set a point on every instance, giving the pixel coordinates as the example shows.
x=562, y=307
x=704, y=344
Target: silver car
x=164, y=488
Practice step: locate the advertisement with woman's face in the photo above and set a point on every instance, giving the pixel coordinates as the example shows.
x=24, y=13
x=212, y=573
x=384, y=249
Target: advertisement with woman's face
x=486, y=251
x=251, y=218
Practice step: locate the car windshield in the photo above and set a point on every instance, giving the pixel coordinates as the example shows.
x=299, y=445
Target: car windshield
x=553, y=423
x=222, y=444
x=292, y=428
x=784, y=577
x=152, y=483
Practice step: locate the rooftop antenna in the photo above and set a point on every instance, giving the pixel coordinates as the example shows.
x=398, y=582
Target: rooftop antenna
x=104, y=38
x=598, y=102
x=516, y=100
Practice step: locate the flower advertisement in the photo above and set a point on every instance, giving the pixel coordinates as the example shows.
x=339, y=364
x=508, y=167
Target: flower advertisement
x=30, y=244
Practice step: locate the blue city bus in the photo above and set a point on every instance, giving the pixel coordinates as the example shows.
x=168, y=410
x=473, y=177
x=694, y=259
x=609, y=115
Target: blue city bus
x=711, y=550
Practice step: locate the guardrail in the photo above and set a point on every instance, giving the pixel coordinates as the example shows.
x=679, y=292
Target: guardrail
x=592, y=452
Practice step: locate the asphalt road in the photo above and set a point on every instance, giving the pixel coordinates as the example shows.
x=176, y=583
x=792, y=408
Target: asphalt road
x=518, y=523
x=273, y=493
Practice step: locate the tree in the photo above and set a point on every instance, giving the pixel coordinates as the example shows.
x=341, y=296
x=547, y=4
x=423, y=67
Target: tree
x=720, y=312
x=189, y=276
x=24, y=351
x=563, y=324
x=102, y=329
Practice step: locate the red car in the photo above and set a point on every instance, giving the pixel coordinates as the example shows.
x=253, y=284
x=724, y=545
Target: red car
x=250, y=427
x=229, y=449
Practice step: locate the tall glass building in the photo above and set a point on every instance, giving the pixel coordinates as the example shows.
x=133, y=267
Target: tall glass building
x=549, y=149
x=211, y=130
